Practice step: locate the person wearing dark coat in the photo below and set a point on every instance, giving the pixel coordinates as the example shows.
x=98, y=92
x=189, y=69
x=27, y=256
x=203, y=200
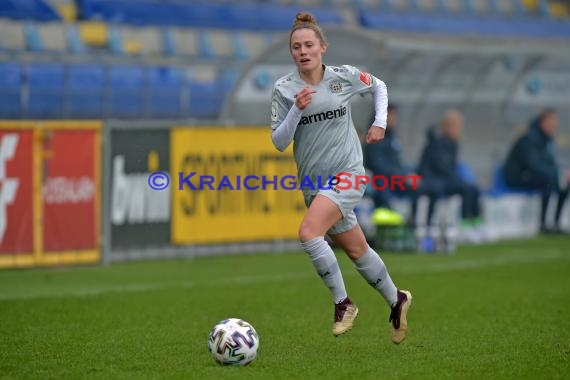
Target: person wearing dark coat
x=531, y=164
x=439, y=169
x=384, y=159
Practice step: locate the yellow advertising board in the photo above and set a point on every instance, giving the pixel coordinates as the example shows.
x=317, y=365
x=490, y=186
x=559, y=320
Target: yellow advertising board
x=229, y=185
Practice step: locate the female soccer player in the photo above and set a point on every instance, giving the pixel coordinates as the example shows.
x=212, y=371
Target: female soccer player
x=312, y=107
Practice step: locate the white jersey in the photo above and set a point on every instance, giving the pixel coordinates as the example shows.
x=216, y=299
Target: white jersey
x=325, y=142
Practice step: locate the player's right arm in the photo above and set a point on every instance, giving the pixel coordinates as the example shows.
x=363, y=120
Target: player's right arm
x=284, y=120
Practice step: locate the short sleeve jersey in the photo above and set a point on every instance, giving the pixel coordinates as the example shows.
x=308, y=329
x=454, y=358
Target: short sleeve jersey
x=325, y=142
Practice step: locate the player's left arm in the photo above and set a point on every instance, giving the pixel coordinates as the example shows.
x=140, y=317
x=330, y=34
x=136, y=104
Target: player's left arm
x=362, y=83
x=378, y=129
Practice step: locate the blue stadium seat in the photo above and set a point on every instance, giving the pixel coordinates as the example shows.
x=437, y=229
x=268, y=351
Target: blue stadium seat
x=520, y=8
x=33, y=41
x=115, y=41
x=27, y=10
x=165, y=92
x=239, y=49
x=46, y=86
x=168, y=45
x=10, y=90
x=494, y=7
x=228, y=78
x=74, y=41
x=470, y=7
x=544, y=8
x=85, y=91
x=465, y=25
x=201, y=15
x=500, y=187
x=126, y=92
x=205, y=99
x=205, y=50
x=466, y=173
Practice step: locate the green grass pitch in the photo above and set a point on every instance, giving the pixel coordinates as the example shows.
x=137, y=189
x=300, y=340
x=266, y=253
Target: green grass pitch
x=493, y=311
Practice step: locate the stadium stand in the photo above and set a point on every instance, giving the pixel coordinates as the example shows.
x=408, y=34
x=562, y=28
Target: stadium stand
x=260, y=16
x=465, y=25
x=179, y=59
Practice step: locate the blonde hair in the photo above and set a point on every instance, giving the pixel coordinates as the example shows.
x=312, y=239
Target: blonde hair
x=305, y=20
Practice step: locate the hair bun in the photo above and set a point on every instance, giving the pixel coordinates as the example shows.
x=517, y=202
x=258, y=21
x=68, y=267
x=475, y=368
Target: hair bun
x=305, y=18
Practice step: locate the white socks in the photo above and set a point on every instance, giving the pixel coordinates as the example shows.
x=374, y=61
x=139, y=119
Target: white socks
x=374, y=271
x=370, y=266
x=324, y=261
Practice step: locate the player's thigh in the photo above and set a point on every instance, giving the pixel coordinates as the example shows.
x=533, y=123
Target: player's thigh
x=322, y=214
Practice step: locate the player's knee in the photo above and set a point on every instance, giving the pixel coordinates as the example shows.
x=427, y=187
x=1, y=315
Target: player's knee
x=307, y=231
x=354, y=244
x=356, y=249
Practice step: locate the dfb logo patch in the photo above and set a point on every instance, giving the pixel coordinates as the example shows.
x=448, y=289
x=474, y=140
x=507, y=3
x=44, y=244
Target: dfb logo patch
x=365, y=78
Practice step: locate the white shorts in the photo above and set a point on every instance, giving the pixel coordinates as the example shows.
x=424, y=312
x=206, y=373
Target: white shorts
x=346, y=201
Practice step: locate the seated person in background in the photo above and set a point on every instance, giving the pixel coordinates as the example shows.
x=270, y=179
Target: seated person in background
x=439, y=170
x=384, y=159
x=531, y=164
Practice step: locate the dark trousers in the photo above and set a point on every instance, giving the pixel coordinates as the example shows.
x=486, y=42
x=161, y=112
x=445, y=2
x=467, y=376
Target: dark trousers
x=437, y=188
x=547, y=187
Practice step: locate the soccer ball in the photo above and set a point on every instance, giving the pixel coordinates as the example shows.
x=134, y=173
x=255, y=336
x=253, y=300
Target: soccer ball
x=233, y=341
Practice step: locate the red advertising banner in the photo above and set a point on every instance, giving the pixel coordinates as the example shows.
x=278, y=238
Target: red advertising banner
x=69, y=188
x=16, y=192
x=49, y=193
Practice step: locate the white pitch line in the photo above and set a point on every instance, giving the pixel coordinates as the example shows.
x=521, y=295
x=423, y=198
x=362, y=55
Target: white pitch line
x=273, y=278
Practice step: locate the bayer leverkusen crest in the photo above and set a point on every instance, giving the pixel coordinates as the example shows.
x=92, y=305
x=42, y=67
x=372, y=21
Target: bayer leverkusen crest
x=335, y=86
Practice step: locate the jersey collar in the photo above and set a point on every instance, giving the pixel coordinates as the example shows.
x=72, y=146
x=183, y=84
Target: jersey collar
x=326, y=72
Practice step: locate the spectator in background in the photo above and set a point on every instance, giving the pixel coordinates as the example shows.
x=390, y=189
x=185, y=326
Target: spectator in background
x=439, y=170
x=531, y=164
x=385, y=159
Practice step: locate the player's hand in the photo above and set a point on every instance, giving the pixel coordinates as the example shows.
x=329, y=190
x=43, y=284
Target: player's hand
x=568, y=176
x=375, y=134
x=303, y=98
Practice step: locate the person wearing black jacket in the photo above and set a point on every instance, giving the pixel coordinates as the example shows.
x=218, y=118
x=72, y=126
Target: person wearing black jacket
x=531, y=164
x=439, y=168
x=385, y=159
